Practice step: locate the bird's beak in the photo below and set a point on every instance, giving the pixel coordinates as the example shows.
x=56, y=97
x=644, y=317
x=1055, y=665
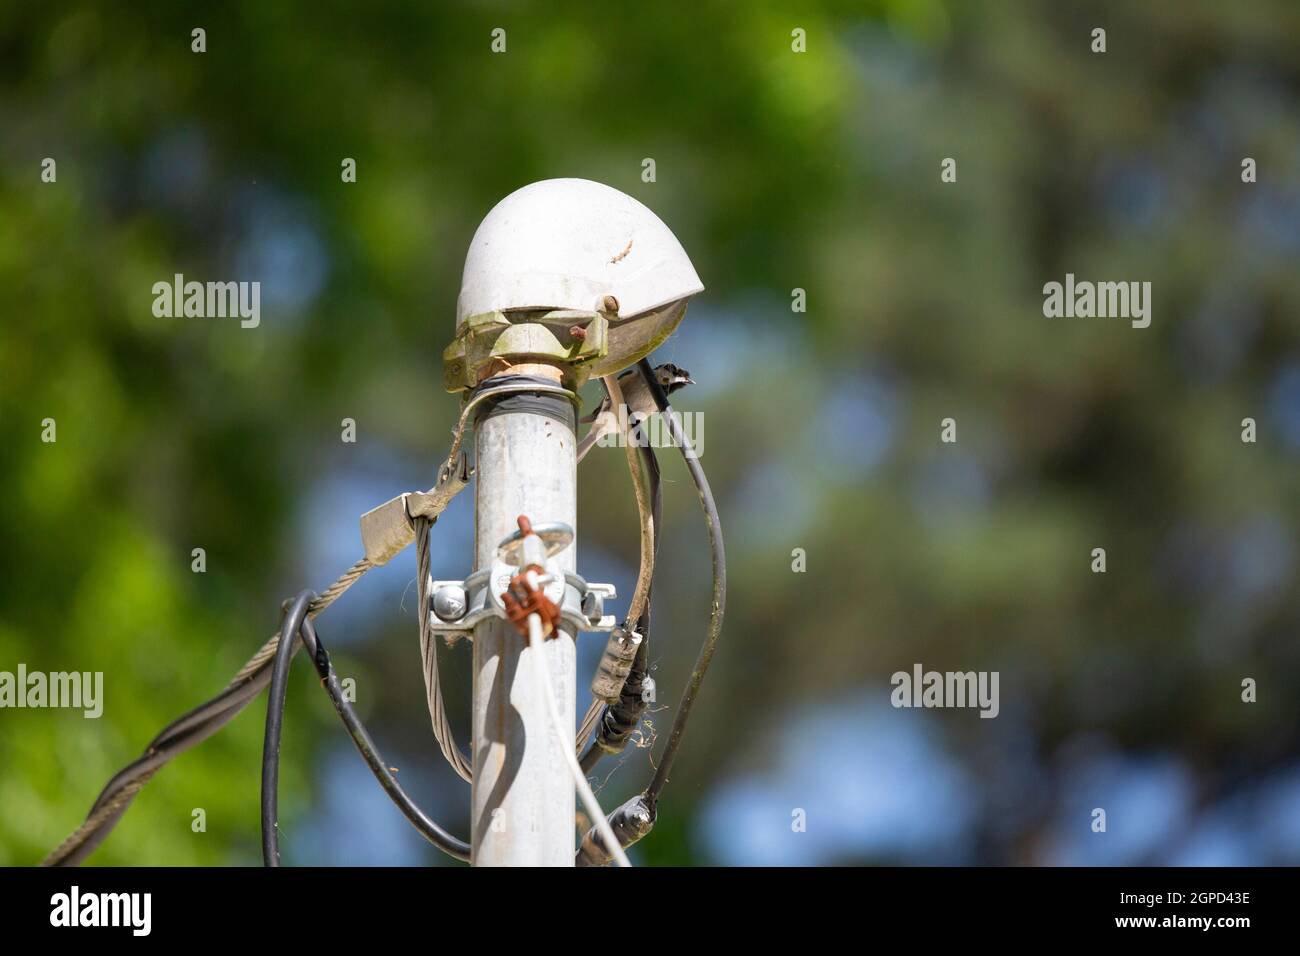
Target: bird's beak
x=689, y=380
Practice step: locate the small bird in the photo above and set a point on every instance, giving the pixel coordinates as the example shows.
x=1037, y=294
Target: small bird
x=636, y=396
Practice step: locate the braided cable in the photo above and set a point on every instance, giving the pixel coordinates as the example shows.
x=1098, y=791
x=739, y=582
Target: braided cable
x=429, y=655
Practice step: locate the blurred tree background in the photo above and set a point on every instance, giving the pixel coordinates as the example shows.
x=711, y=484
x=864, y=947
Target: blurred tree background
x=777, y=170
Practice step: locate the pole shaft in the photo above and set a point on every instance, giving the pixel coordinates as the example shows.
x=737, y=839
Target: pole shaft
x=523, y=797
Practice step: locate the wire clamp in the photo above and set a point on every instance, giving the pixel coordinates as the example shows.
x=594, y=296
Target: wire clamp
x=525, y=577
x=387, y=529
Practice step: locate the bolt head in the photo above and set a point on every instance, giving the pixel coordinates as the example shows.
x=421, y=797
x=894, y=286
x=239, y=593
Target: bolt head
x=593, y=606
x=450, y=602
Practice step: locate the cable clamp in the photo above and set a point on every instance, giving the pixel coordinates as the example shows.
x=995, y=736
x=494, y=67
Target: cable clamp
x=389, y=528
x=503, y=590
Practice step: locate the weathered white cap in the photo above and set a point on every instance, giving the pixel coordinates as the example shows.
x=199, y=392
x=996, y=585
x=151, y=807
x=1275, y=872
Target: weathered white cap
x=569, y=243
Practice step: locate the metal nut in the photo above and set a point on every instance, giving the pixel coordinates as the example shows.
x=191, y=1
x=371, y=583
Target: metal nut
x=450, y=603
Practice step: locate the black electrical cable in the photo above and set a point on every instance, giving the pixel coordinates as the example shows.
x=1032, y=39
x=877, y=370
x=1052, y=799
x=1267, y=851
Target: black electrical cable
x=421, y=821
x=191, y=728
x=634, y=819
x=201, y=723
x=296, y=617
x=718, y=607
x=290, y=626
x=430, y=830
x=180, y=735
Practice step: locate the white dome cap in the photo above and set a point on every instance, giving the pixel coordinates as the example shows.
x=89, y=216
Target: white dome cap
x=568, y=243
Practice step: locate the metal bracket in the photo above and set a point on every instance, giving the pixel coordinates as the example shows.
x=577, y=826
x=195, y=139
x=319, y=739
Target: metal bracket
x=567, y=336
x=388, y=528
x=456, y=607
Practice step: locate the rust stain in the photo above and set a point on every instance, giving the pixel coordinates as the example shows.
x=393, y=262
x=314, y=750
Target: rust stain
x=622, y=255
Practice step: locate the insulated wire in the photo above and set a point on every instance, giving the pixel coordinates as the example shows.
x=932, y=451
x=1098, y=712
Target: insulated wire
x=543, y=678
x=589, y=721
x=648, y=518
x=295, y=622
x=183, y=733
x=289, y=629
x=435, y=834
x=718, y=606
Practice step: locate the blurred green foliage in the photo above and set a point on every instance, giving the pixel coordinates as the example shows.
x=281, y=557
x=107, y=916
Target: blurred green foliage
x=777, y=171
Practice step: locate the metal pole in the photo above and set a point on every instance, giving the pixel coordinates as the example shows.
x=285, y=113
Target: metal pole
x=523, y=798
